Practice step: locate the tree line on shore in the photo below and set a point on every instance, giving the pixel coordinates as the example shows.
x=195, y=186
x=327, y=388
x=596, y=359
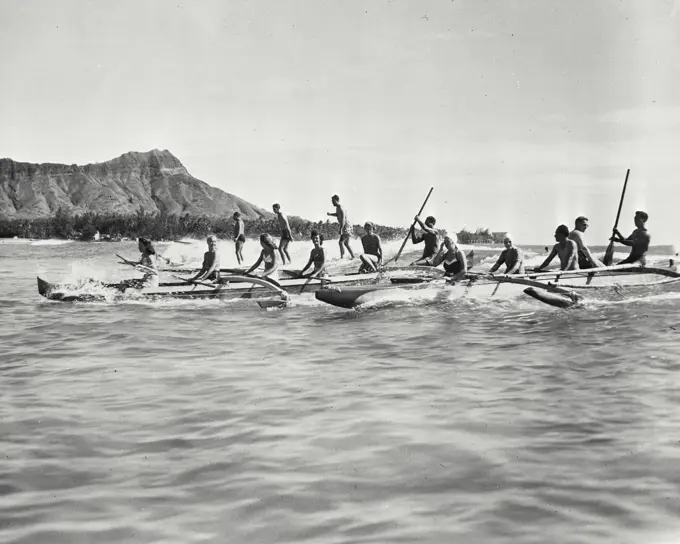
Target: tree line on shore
x=163, y=226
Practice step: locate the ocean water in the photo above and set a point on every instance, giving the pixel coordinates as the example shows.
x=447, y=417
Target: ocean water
x=419, y=420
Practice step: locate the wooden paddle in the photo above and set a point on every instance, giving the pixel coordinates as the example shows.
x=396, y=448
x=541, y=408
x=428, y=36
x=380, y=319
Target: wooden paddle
x=609, y=254
x=408, y=234
x=196, y=282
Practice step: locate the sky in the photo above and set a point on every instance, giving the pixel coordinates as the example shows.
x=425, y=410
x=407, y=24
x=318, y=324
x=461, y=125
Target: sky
x=521, y=114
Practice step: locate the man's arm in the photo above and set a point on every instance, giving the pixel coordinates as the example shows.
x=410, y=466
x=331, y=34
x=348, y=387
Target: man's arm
x=618, y=237
x=589, y=256
x=547, y=261
x=425, y=227
x=499, y=262
x=379, y=250
x=341, y=217
x=287, y=226
x=414, y=239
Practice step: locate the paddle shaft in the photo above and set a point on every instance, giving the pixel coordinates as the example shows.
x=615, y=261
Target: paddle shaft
x=623, y=194
x=396, y=258
x=609, y=253
x=195, y=282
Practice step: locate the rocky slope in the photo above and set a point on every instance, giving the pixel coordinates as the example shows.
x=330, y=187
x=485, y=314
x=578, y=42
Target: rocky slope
x=155, y=181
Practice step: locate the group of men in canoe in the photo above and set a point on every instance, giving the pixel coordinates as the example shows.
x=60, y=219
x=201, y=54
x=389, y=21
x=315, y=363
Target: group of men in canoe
x=574, y=253
x=440, y=248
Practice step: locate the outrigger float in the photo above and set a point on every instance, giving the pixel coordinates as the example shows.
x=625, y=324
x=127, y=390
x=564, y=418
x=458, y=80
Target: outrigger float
x=562, y=289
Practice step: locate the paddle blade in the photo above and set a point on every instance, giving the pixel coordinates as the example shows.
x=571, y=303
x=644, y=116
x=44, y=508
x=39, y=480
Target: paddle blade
x=608, y=255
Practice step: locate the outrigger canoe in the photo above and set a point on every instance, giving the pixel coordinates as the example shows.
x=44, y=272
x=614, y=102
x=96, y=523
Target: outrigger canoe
x=562, y=289
x=261, y=291
x=233, y=286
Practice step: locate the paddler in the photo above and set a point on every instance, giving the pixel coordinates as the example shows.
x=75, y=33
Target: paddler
x=372, y=257
x=430, y=236
x=210, y=269
x=147, y=265
x=512, y=256
x=239, y=236
x=345, y=227
x=452, y=257
x=638, y=241
x=585, y=257
x=565, y=249
x=317, y=257
x=270, y=257
x=286, y=234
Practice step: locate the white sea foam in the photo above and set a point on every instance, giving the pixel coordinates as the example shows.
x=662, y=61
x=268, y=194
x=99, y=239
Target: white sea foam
x=51, y=242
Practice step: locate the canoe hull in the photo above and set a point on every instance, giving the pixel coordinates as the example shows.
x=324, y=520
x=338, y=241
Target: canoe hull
x=562, y=294
x=230, y=287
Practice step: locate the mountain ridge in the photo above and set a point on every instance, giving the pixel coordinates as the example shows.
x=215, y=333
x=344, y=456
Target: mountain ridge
x=154, y=180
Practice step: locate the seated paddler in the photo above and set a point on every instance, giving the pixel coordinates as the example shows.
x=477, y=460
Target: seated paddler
x=511, y=256
x=210, y=270
x=372, y=257
x=638, y=241
x=146, y=264
x=452, y=258
x=317, y=257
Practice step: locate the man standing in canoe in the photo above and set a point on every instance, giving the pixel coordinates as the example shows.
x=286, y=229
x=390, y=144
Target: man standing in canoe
x=210, y=270
x=345, y=227
x=638, y=241
x=286, y=234
x=565, y=249
x=430, y=236
x=371, y=258
x=239, y=236
x=585, y=257
x=512, y=257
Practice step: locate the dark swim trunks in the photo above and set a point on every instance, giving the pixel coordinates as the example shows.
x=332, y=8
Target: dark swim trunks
x=241, y=238
x=285, y=236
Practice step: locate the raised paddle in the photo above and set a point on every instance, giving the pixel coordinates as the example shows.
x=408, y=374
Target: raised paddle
x=609, y=254
x=396, y=257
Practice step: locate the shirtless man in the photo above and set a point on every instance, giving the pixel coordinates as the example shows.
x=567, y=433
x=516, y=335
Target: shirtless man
x=211, y=262
x=430, y=236
x=638, y=241
x=286, y=234
x=585, y=257
x=565, y=249
x=512, y=257
x=345, y=227
x=372, y=257
x=239, y=236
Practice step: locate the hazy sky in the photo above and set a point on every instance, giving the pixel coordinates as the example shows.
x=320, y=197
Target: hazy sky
x=521, y=114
